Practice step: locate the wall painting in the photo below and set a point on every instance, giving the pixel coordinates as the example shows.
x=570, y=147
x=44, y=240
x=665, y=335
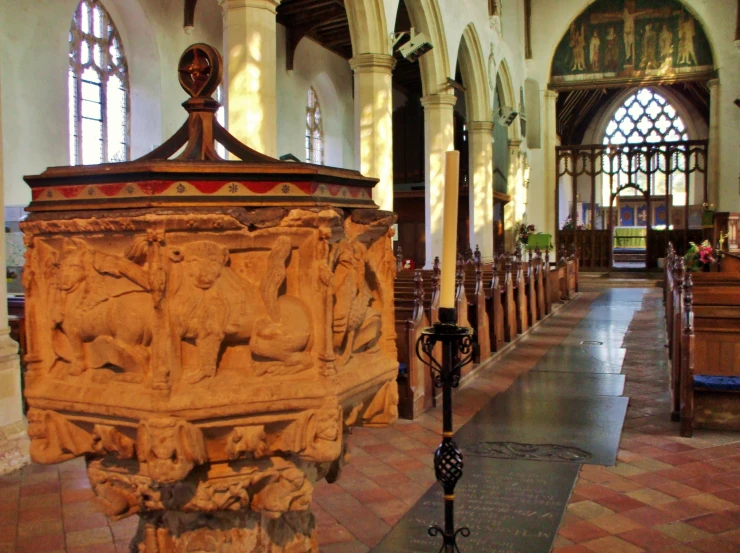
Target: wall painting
x=624, y=40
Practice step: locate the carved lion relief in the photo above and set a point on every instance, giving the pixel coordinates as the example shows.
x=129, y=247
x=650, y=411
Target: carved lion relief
x=101, y=312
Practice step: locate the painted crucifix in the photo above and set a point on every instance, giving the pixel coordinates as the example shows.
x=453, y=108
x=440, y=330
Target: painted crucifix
x=628, y=16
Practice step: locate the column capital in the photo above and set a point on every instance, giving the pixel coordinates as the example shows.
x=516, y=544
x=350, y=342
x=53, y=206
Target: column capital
x=372, y=63
x=515, y=143
x=269, y=5
x=551, y=94
x=480, y=127
x=713, y=84
x=439, y=101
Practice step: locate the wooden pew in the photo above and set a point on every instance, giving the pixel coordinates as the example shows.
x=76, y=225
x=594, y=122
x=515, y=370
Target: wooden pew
x=507, y=299
x=567, y=273
x=495, y=311
x=413, y=385
x=729, y=262
x=540, y=285
x=548, y=282
x=710, y=352
x=520, y=294
x=530, y=280
x=673, y=318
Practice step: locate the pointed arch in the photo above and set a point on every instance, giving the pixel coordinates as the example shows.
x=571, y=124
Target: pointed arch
x=594, y=45
x=368, y=29
x=426, y=17
x=510, y=96
x=473, y=70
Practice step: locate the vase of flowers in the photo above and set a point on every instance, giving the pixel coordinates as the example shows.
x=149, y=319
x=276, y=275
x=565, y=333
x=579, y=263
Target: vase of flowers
x=699, y=258
x=523, y=231
x=570, y=225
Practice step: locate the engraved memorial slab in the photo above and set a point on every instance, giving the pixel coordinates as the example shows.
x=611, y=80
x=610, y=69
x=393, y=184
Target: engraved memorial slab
x=509, y=506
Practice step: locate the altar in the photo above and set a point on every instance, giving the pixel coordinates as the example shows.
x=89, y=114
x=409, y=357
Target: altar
x=630, y=238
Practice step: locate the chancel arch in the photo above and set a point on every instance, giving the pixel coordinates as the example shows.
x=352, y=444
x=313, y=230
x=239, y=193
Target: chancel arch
x=635, y=93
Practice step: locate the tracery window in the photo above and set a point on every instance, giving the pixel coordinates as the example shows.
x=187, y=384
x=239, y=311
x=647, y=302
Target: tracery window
x=98, y=88
x=314, y=131
x=646, y=117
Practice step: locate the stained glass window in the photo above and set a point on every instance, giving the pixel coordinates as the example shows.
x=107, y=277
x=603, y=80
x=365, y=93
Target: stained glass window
x=314, y=130
x=98, y=88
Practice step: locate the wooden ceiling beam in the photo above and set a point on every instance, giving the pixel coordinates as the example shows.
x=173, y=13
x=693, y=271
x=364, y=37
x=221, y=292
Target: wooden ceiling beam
x=286, y=9
x=310, y=18
x=332, y=24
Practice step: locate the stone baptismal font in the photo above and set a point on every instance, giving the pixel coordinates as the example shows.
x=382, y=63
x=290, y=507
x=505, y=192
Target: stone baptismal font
x=207, y=332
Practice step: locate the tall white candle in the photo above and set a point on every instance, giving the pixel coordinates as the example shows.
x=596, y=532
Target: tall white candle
x=449, y=229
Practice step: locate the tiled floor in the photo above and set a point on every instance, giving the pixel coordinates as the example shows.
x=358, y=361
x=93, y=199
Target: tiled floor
x=667, y=494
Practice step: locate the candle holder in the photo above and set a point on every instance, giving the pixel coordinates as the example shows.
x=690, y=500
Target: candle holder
x=457, y=351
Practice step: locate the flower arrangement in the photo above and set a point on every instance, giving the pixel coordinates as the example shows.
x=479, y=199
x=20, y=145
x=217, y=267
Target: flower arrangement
x=698, y=257
x=523, y=231
x=569, y=225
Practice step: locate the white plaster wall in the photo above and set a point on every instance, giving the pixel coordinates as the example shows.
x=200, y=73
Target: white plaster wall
x=34, y=45
x=551, y=19
x=166, y=19
x=331, y=78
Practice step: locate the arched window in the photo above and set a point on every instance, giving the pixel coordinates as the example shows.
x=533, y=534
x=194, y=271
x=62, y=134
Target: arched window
x=98, y=88
x=314, y=131
x=646, y=117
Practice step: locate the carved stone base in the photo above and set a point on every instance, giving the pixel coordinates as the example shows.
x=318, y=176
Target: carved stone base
x=239, y=532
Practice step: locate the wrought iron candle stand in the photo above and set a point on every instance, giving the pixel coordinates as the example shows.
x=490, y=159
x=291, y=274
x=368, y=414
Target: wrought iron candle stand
x=448, y=459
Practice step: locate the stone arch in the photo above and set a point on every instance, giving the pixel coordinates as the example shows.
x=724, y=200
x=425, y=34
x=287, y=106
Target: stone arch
x=510, y=98
x=689, y=9
x=367, y=27
x=426, y=17
x=473, y=69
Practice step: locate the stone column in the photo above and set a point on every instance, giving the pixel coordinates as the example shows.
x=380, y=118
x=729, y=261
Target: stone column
x=512, y=189
x=11, y=405
x=374, y=122
x=438, y=139
x=712, y=175
x=250, y=51
x=551, y=98
x=480, y=195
